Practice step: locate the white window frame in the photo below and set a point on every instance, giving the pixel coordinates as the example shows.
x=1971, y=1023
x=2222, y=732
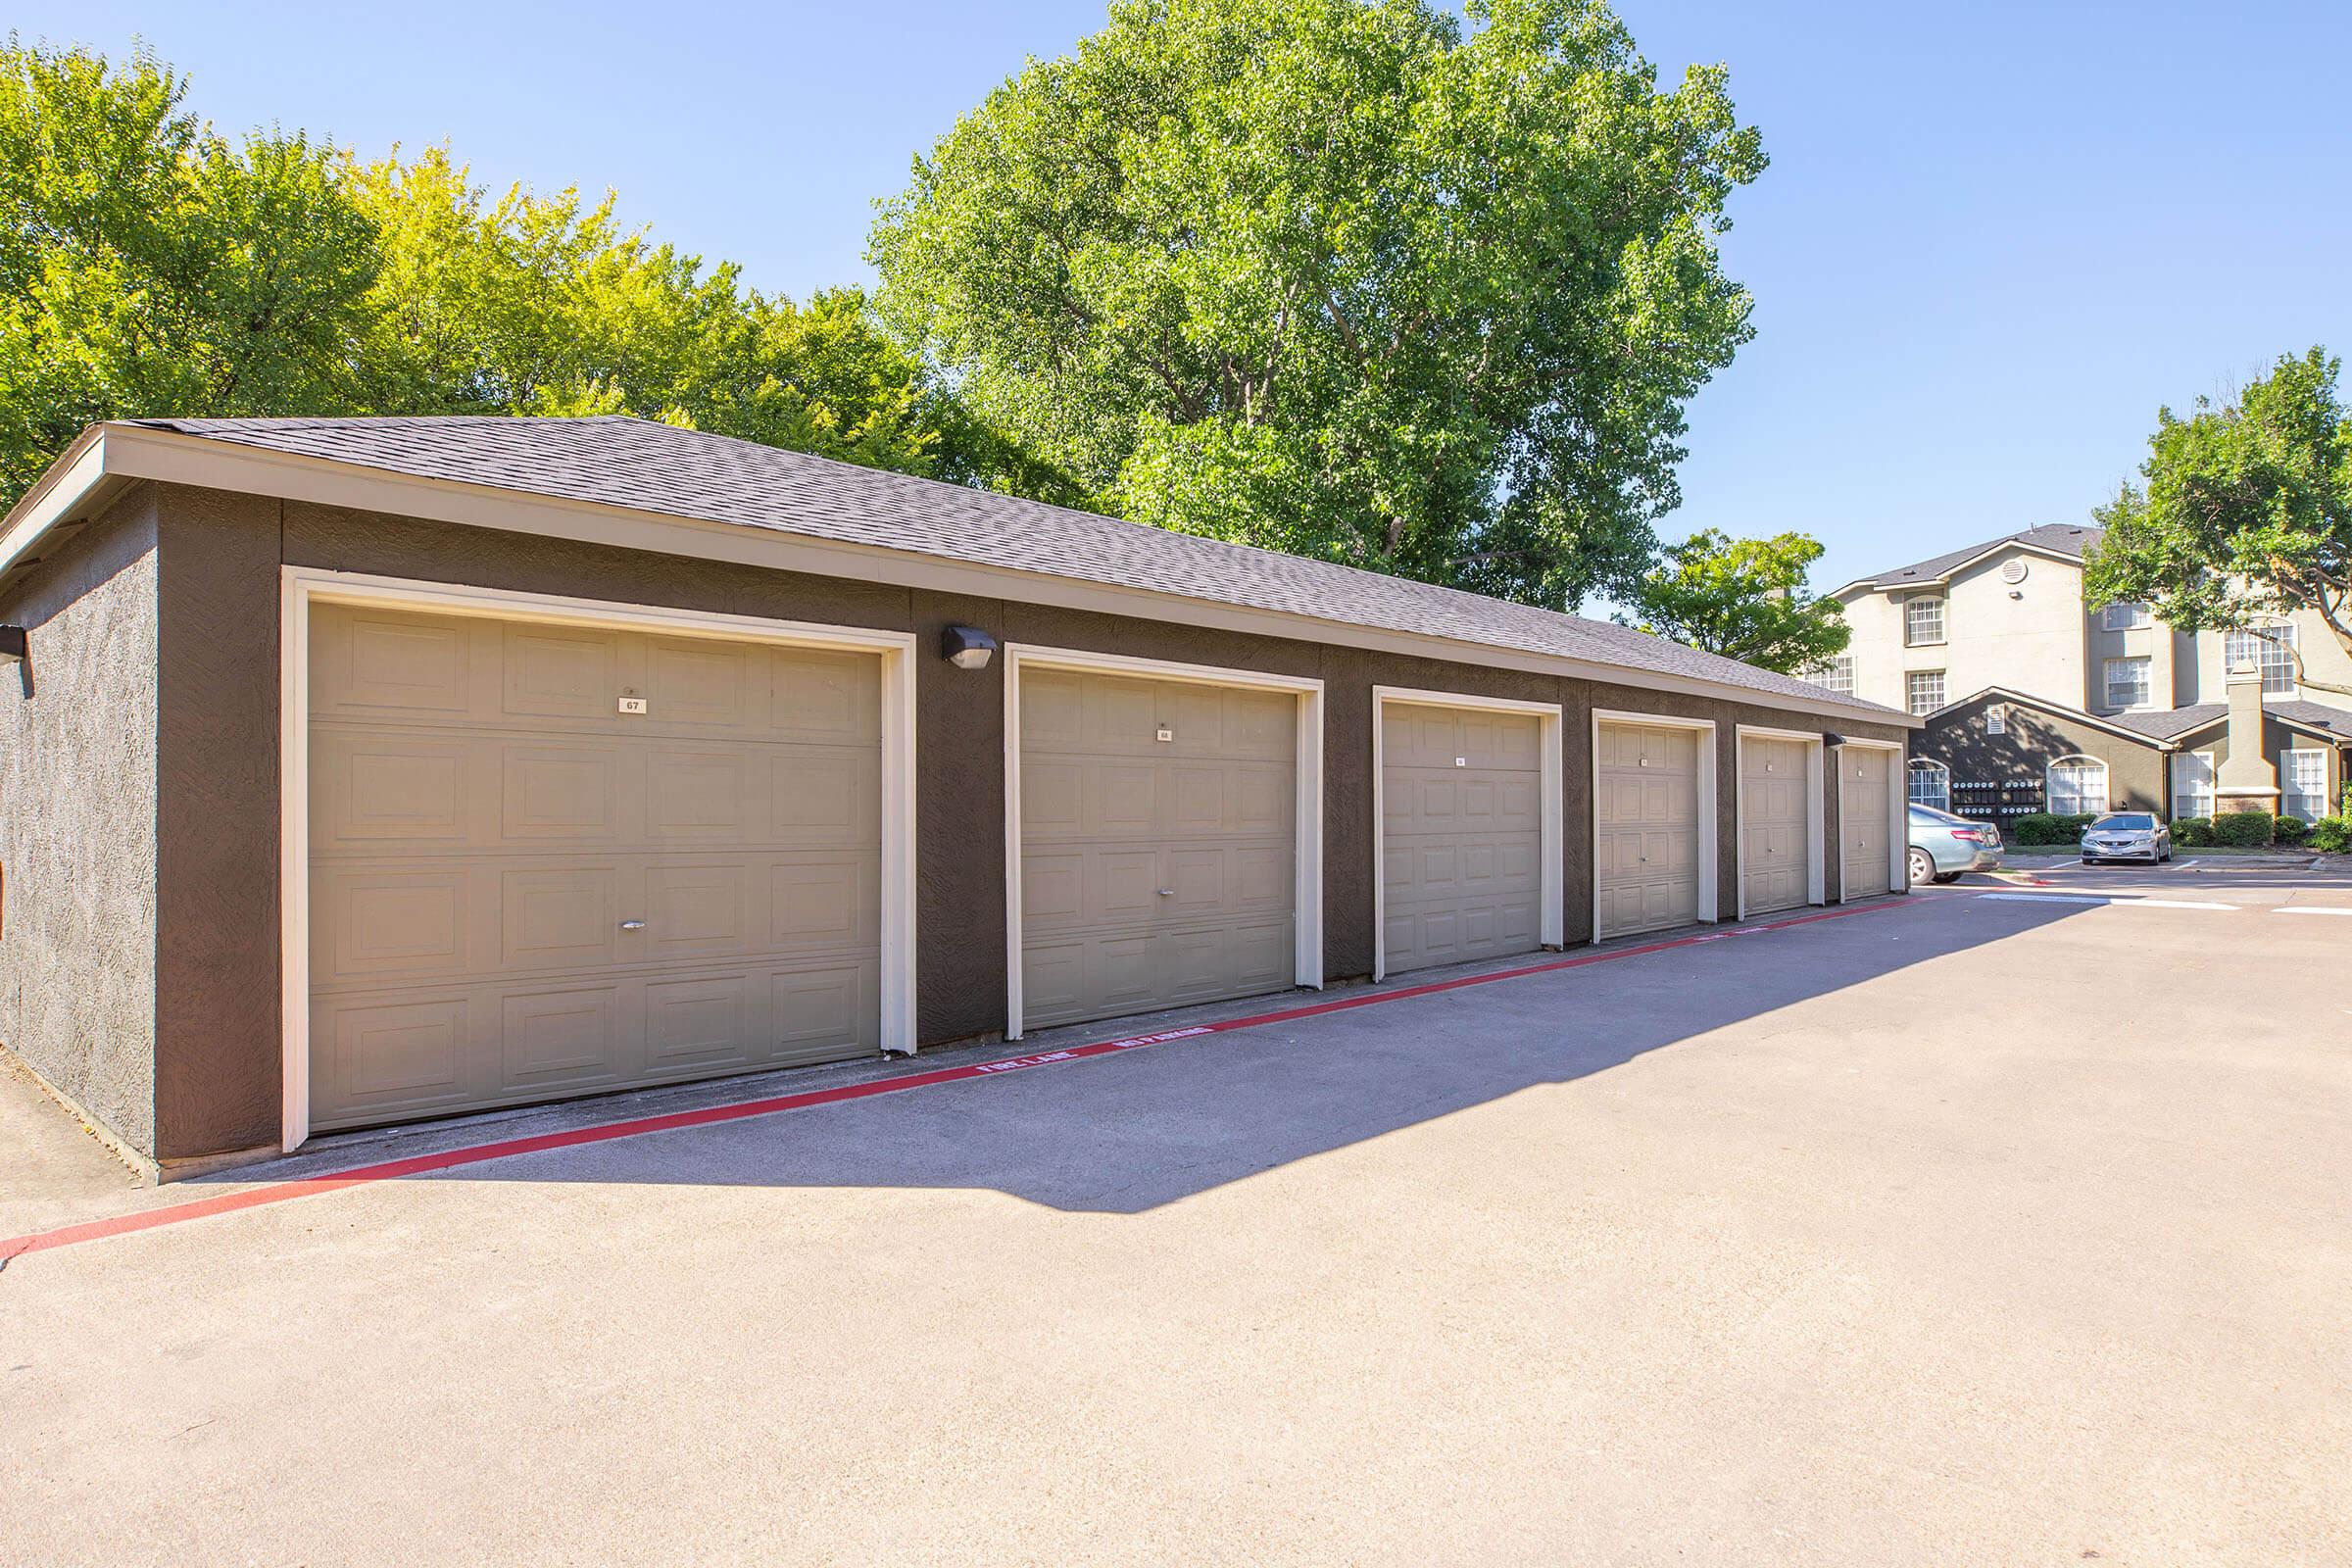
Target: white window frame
x=1817, y=822
x=1899, y=814
x=2134, y=616
x=301, y=587
x=2146, y=684
x=1928, y=767
x=1708, y=811
x=2288, y=761
x=1307, y=923
x=2182, y=797
x=1552, y=911
x=1943, y=691
x=1838, y=673
x=1919, y=602
x=2272, y=645
x=2049, y=793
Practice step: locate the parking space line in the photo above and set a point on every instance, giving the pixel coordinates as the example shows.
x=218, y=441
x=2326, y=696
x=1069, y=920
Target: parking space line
x=774, y=1105
x=2311, y=909
x=2121, y=900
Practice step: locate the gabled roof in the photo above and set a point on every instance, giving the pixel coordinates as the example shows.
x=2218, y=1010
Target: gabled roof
x=2063, y=540
x=2165, y=727
x=472, y=469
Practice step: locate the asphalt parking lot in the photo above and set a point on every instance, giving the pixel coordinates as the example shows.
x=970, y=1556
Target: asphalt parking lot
x=2005, y=1223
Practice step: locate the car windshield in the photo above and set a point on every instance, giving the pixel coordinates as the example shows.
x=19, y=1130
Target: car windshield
x=2124, y=823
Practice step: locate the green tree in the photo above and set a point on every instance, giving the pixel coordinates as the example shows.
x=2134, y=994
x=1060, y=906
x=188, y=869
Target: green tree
x=1356, y=280
x=1744, y=599
x=150, y=266
x=2246, y=512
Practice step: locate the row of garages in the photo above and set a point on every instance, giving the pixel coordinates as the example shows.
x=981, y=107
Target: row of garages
x=482, y=809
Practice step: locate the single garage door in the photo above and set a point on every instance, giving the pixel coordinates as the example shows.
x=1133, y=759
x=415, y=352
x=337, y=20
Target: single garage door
x=518, y=891
x=1646, y=828
x=1862, y=814
x=1775, y=824
x=1159, y=843
x=1461, y=834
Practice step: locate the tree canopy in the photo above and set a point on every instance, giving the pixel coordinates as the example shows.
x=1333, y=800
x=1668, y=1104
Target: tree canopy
x=1745, y=599
x=1354, y=280
x=150, y=266
x=2245, y=514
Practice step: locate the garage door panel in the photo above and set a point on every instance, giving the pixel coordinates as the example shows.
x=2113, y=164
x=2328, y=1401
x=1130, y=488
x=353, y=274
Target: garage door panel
x=1111, y=815
x=1645, y=827
x=1461, y=827
x=1775, y=824
x=1863, y=813
x=481, y=829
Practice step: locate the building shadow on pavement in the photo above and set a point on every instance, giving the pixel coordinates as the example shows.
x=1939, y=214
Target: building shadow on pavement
x=1127, y=1131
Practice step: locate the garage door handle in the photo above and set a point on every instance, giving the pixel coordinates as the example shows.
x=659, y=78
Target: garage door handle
x=632, y=925
x=1167, y=893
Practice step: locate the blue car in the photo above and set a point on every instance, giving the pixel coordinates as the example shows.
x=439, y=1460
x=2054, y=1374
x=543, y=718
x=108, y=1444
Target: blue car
x=1944, y=846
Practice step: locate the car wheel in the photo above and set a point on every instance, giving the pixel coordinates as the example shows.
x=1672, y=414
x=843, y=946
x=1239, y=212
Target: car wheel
x=1942, y=877
x=1923, y=870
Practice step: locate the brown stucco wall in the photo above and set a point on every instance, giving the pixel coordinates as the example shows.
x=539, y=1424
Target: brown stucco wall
x=78, y=820
x=2135, y=770
x=218, y=1025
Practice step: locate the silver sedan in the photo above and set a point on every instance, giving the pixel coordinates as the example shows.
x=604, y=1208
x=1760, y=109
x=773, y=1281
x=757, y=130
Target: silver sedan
x=2126, y=836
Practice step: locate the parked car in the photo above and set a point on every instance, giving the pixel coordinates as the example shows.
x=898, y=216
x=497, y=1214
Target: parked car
x=1942, y=846
x=2126, y=836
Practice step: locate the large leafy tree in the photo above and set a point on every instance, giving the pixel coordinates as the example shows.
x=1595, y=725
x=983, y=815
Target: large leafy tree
x=149, y=266
x=1745, y=599
x=2245, y=514
x=1356, y=280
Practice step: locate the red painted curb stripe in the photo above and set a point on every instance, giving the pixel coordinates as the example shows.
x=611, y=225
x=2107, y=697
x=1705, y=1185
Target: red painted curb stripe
x=738, y=1111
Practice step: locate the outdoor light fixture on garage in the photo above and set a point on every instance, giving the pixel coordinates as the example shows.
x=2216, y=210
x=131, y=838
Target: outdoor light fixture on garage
x=967, y=647
x=11, y=645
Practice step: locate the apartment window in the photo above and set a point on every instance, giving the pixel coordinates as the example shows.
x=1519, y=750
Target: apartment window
x=2303, y=784
x=2127, y=683
x=1931, y=784
x=1923, y=620
x=1996, y=719
x=2076, y=786
x=2270, y=650
x=2124, y=617
x=2192, y=784
x=1837, y=674
x=1925, y=690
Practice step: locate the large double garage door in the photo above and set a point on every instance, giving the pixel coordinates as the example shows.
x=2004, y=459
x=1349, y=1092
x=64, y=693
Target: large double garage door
x=554, y=860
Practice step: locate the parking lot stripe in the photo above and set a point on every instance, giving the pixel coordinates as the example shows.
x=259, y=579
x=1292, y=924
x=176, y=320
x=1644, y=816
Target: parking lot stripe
x=2130, y=900
x=773, y=1105
x=2310, y=909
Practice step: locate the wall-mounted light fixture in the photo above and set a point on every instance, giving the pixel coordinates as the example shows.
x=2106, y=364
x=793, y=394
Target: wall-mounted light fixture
x=967, y=647
x=1833, y=741
x=11, y=645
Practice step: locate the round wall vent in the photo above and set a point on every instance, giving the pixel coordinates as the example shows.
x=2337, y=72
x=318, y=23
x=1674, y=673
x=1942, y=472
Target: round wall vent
x=2013, y=570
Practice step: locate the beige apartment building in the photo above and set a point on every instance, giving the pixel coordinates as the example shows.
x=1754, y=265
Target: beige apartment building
x=2037, y=699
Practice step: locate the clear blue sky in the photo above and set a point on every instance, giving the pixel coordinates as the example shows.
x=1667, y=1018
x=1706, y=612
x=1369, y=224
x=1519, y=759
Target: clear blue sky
x=1992, y=241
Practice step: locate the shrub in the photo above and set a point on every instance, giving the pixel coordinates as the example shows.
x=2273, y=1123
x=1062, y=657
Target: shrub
x=2041, y=827
x=2191, y=832
x=2293, y=830
x=2333, y=835
x=2244, y=829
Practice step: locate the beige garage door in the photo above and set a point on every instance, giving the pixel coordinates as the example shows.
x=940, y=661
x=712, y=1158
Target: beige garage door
x=1646, y=828
x=1158, y=827
x=1775, y=824
x=1862, y=811
x=518, y=891
x=1461, y=834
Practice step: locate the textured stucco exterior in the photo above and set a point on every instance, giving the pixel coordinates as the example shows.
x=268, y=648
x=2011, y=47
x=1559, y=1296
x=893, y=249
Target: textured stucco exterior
x=218, y=1029
x=1962, y=741
x=77, y=821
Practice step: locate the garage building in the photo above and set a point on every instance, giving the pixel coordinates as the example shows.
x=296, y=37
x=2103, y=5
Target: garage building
x=361, y=770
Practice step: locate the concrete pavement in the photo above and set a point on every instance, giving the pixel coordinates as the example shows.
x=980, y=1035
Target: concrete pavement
x=1972, y=1230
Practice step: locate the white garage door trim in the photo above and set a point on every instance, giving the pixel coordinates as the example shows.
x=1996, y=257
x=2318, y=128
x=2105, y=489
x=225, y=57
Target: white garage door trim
x=1709, y=827
x=1307, y=893
x=300, y=587
x=1551, y=908
x=1817, y=818
x=1899, y=814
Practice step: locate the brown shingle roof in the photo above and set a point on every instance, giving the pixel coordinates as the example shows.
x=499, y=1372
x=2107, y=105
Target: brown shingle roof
x=657, y=467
